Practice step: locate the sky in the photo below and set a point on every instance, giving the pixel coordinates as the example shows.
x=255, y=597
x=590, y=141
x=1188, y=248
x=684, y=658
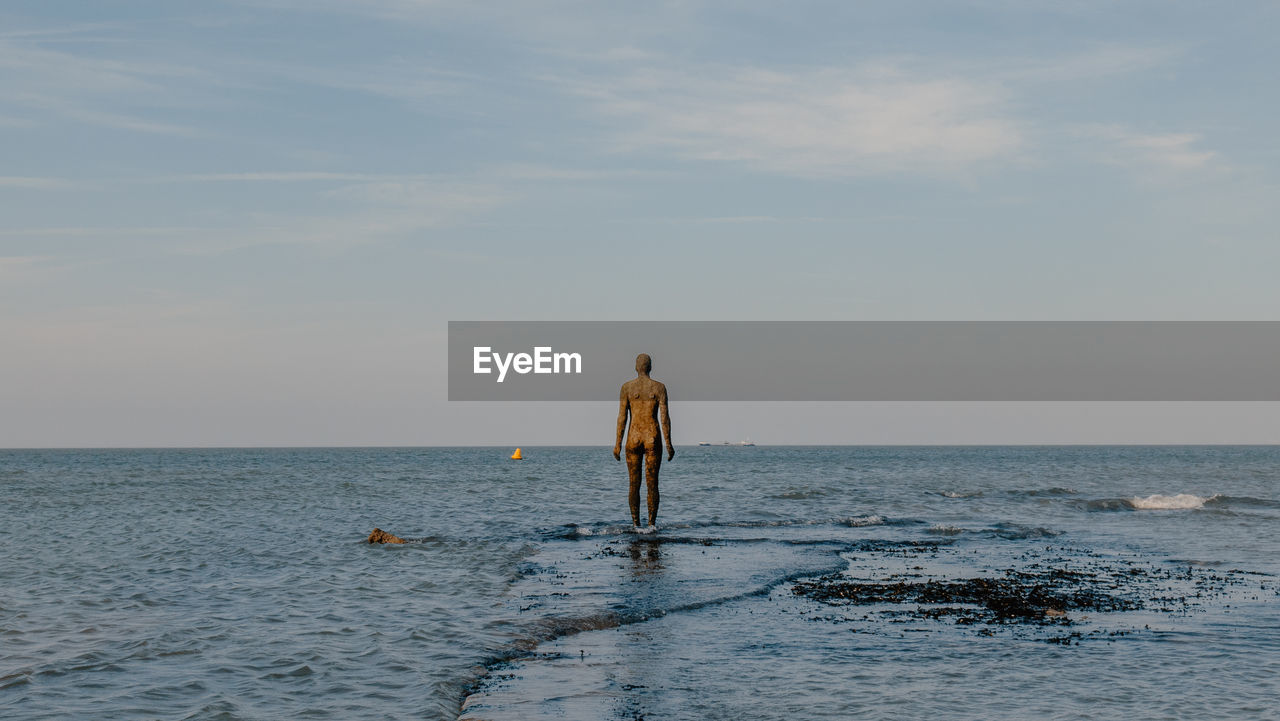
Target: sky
x=248, y=223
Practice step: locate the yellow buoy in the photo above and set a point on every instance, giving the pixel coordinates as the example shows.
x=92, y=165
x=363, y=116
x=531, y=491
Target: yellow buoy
x=516, y=456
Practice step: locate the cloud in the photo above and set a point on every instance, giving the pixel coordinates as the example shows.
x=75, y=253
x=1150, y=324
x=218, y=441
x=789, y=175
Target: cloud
x=740, y=219
x=7, y=121
x=33, y=183
x=826, y=122
x=10, y=262
x=90, y=89
x=122, y=121
x=349, y=209
x=553, y=173
x=89, y=231
x=1098, y=62
x=387, y=208
x=393, y=10
x=288, y=176
x=415, y=83
x=426, y=202
x=359, y=213
x=1162, y=153
x=31, y=269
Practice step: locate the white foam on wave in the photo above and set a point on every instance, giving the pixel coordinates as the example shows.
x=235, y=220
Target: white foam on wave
x=1158, y=502
x=604, y=530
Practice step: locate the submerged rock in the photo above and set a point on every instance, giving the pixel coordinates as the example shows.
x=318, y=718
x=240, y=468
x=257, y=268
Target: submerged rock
x=381, y=536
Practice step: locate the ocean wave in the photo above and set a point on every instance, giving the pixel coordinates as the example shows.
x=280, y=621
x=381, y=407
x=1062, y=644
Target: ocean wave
x=867, y=520
x=1106, y=504
x=960, y=494
x=1041, y=492
x=1007, y=531
x=1154, y=502
x=1247, y=501
x=576, y=530
x=799, y=495
x=573, y=530
x=1018, y=532
x=1194, y=562
x=1179, y=502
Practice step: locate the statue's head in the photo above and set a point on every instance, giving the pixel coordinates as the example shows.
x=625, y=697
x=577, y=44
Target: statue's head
x=644, y=363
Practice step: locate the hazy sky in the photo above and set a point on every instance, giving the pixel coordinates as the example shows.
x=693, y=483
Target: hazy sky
x=248, y=222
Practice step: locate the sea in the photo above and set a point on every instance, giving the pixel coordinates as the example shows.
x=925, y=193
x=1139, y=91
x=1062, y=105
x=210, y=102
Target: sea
x=1053, y=582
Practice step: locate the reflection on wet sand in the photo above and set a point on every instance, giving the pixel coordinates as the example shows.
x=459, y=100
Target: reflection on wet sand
x=646, y=556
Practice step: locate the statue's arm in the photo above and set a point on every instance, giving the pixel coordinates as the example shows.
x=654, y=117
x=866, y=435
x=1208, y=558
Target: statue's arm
x=666, y=422
x=623, y=409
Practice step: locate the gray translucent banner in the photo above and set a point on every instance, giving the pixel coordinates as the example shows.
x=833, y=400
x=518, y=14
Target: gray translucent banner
x=869, y=360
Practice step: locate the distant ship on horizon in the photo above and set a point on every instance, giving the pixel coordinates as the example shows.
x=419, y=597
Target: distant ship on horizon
x=747, y=442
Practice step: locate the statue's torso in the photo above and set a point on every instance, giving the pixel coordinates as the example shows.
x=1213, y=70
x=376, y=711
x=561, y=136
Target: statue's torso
x=643, y=397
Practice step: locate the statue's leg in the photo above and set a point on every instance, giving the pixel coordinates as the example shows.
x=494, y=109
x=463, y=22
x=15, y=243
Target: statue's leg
x=652, y=463
x=635, y=457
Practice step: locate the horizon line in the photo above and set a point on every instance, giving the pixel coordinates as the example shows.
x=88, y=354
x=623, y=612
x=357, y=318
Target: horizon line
x=605, y=445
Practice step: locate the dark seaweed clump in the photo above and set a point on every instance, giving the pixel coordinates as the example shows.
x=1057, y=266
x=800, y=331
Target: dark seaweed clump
x=1041, y=597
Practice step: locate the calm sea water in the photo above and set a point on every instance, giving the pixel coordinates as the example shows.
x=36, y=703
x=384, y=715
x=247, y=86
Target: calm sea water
x=235, y=584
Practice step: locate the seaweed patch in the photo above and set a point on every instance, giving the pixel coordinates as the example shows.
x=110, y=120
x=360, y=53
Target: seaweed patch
x=1055, y=587
x=1018, y=597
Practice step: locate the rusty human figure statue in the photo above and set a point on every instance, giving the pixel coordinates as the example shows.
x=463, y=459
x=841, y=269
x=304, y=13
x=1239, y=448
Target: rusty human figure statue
x=644, y=400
